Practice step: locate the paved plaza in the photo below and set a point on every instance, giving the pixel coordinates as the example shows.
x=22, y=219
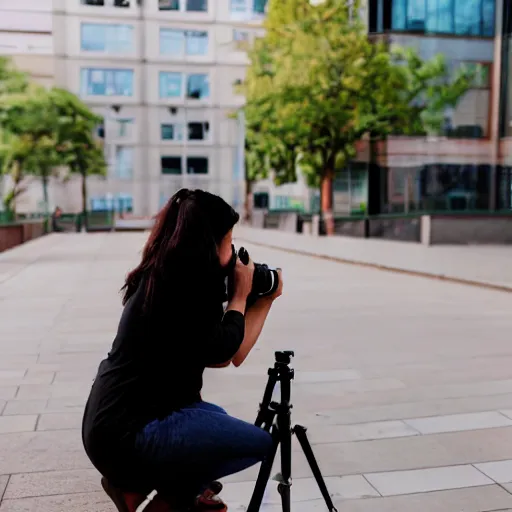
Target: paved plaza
x=405, y=383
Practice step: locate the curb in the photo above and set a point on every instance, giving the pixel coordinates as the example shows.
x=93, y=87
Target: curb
x=386, y=268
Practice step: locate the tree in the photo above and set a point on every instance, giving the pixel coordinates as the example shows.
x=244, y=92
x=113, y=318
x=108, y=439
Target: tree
x=58, y=129
x=79, y=148
x=316, y=86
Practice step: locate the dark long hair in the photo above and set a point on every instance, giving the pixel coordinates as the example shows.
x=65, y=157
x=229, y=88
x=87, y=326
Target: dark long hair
x=181, y=250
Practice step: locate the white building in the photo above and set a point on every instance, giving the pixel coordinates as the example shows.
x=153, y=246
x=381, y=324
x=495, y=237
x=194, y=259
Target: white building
x=163, y=75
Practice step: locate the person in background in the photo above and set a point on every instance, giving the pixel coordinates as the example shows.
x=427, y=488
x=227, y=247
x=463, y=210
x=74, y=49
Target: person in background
x=56, y=215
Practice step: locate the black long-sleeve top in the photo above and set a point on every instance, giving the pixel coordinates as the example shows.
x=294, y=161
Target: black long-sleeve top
x=156, y=366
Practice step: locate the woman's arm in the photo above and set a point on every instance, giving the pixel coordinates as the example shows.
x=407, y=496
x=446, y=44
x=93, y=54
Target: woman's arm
x=254, y=321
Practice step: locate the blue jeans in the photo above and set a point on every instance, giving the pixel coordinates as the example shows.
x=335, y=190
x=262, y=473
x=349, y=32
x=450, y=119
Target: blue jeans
x=196, y=445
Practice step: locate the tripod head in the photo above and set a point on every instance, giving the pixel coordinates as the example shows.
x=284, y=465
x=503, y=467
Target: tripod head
x=284, y=356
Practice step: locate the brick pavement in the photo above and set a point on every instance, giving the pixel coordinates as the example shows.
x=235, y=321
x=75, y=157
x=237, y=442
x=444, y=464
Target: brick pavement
x=405, y=383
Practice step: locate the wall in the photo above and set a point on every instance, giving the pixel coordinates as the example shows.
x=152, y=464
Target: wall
x=471, y=230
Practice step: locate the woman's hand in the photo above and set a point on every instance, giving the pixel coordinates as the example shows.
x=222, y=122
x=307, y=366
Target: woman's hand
x=279, y=290
x=243, y=279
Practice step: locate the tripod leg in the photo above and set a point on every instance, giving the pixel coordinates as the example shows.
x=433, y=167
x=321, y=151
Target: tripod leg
x=284, y=487
x=264, y=474
x=300, y=432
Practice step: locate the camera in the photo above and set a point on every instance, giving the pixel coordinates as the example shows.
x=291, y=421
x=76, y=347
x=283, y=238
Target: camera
x=265, y=280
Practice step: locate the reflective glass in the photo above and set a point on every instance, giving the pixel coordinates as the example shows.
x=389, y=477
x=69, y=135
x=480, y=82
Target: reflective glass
x=106, y=82
x=198, y=86
x=172, y=42
x=196, y=42
x=100, y=37
x=170, y=85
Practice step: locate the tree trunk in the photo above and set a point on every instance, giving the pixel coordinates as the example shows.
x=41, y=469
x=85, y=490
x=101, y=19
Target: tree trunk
x=326, y=200
x=248, y=202
x=44, y=177
x=84, y=198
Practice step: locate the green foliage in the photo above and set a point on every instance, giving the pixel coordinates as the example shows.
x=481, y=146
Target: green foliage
x=42, y=130
x=316, y=86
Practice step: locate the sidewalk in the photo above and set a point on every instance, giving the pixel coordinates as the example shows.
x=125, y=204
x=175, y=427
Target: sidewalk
x=488, y=266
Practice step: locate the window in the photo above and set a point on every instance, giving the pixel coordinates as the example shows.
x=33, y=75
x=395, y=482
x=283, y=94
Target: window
x=197, y=5
x=170, y=164
x=124, y=127
x=120, y=203
x=107, y=3
x=123, y=168
x=171, y=85
x=198, y=86
x=242, y=39
x=259, y=6
x=169, y=5
x=248, y=8
x=196, y=42
x=459, y=17
x=183, y=5
x=197, y=165
x=198, y=131
x=99, y=37
x=183, y=42
x=171, y=131
x=106, y=82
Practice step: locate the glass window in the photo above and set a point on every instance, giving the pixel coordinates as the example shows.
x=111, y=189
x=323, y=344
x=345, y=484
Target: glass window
x=461, y=17
x=124, y=162
x=172, y=42
x=416, y=14
x=108, y=3
x=124, y=127
x=399, y=14
x=170, y=164
x=106, y=82
x=238, y=5
x=198, y=86
x=171, y=131
x=488, y=17
x=196, y=42
x=171, y=85
x=98, y=37
x=259, y=6
x=178, y=42
x=440, y=16
x=468, y=17
x=197, y=165
x=124, y=203
x=168, y=5
x=197, y=5
x=198, y=131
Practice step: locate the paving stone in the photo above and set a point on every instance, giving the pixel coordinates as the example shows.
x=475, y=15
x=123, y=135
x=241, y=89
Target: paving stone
x=60, y=421
x=25, y=423
x=360, y=432
x=4, y=479
x=427, y=480
x=53, y=482
x=14, y=407
x=499, y=471
x=366, y=359
x=303, y=490
x=26, y=452
x=90, y=502
x=459, y=422
x=476, y=499
x=8, y=392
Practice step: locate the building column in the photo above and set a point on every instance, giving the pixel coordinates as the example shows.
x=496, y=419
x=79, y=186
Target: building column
x=494, y=132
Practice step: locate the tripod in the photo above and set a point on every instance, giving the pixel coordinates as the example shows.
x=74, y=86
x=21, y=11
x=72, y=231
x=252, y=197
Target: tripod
x=281, y=430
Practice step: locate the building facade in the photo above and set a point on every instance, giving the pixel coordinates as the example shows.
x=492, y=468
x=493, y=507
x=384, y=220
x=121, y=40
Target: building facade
x=163, y=74
x=26, y=37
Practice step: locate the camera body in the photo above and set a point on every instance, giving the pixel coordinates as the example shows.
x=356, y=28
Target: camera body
x=265, y=280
